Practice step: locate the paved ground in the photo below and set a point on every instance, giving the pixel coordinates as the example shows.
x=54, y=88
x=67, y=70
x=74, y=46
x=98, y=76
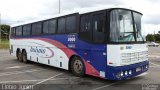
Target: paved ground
x=41, y=77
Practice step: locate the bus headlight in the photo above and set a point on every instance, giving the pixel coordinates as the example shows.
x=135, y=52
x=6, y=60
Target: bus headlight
x=126, y=73
x=121, y=73
x=130, y=72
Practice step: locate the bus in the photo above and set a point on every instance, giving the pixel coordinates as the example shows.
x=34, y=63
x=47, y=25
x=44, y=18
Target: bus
x=105, y=43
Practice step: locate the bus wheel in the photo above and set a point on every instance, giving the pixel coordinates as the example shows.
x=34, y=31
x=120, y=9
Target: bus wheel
x=19, y=55
x=24, y=57
x=77, y=66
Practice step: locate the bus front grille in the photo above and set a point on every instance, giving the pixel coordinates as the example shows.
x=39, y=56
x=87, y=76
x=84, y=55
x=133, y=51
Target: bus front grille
x=134, y=57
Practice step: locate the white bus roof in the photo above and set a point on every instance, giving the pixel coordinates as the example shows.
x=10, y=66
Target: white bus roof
x=79, y=11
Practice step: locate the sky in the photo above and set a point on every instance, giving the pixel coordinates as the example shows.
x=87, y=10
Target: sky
x=19, y=11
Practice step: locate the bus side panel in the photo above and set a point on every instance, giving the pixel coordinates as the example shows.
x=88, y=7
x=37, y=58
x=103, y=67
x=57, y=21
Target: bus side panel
x=94, y=55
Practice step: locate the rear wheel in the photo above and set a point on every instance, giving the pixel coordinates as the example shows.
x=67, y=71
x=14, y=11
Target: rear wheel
x=19, y=55
x=77, y=66
x=24, y=57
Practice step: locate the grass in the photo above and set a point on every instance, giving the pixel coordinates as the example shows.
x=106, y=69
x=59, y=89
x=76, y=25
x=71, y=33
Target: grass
x=4, y=44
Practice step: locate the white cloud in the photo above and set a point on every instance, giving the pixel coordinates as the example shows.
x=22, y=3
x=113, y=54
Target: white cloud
x=14, y=11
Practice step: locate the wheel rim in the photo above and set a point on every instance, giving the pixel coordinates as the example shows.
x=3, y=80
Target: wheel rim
x=78, y=66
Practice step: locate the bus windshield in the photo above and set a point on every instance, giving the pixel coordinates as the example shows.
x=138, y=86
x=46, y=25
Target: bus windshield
x=122, y=27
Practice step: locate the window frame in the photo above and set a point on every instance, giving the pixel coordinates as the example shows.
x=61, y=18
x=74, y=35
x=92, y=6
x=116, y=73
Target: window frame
x=17, y=31
x=108, y=33
x=64, y=17
x=76, y=25
x=91, y=26
x=13, y=32
x=103, y=13
x=76, y=20
x=32, y=28
x=89, y=39
x=48, y=26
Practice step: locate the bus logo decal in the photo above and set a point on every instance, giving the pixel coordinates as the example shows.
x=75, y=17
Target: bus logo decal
x=42, y=51
x=38, y=50
x=128, y=47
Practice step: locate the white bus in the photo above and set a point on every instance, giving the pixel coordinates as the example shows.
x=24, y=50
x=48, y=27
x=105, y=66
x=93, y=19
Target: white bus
x=105, y=43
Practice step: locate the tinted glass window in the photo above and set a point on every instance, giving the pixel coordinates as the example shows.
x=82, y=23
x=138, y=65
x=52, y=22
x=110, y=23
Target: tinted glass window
x=45, y=27
x=19, y=31
x=98, y=28
x=61, y=25
x=49, y=27
x=13, y=31
x=26, y=30
x=85, y=27
x=52, y=26
x=71, y=24
x=37, y=28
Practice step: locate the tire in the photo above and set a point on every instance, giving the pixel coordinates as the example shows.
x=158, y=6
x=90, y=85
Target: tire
x=24, y=57
x=19, y=55
x=77, y=67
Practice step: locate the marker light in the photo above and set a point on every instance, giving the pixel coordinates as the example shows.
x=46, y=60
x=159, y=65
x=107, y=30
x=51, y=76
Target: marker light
x=126, y=73
x=121, y=73
x=130, y=72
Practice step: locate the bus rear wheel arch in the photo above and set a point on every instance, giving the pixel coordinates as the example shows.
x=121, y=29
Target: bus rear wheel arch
x=77, y=66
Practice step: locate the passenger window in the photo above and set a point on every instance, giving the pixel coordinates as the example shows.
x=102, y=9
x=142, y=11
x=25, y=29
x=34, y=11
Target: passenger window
x=71, y=24
x=61, y=25
x=85, y=27
x=98, y=28
x=13, y=31
x=19, y=31
x=52, y=26
x=45, y=27
x=27, y=30
x=37, y=28
x=49, y=27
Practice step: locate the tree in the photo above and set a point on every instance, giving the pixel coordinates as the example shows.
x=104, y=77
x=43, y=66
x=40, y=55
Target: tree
x=157, y=37
x=5, y=29
x=150, y=37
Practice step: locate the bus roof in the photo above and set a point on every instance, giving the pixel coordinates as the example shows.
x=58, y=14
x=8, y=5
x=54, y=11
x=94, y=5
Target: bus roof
x=78, y=11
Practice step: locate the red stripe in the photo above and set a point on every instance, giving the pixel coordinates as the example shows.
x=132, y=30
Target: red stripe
x=90, y=70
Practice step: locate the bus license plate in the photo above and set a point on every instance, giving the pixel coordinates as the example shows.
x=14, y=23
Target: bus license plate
x=138, y=69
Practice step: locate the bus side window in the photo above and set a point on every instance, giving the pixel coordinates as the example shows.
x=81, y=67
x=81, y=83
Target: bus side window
x=85, y=27
x=71, y=24
x=98, y=28
x=13, y=32
x=49, y=26
x=19, y=31
x=52, y=26
x=37, y=28
x=27, y=30
x=61, y=25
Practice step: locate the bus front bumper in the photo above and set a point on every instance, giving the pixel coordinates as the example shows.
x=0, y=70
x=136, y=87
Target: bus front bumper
x=127, y=72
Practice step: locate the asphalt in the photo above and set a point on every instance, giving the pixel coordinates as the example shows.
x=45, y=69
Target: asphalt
x=33, y=76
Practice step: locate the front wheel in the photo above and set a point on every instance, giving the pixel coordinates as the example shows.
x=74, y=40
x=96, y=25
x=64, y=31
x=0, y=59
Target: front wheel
x=77, y=66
